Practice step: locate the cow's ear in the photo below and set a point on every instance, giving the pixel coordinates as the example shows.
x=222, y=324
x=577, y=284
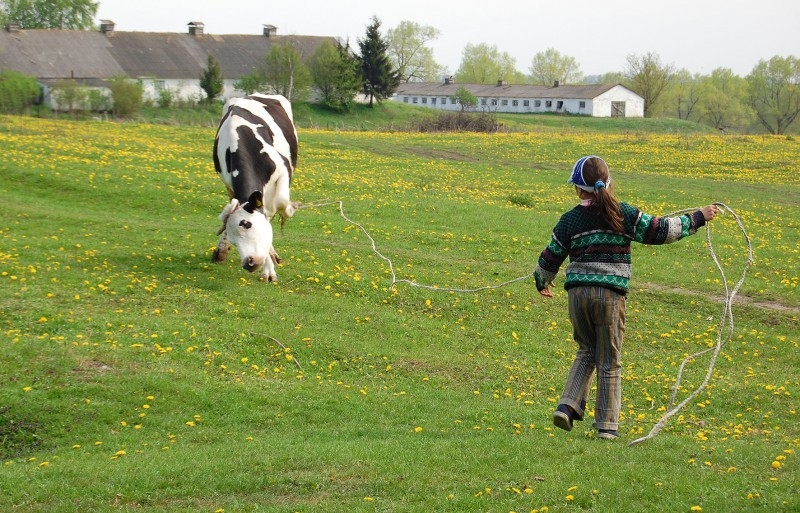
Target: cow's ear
x=229, y=209
x=254, y=202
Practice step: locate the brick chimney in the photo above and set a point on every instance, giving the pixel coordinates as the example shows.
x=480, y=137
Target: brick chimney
x=270, y=30
x=196, y=28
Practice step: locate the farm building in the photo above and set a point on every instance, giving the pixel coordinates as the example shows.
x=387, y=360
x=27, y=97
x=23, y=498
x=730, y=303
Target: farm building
x=597, y=100
x=161, y=61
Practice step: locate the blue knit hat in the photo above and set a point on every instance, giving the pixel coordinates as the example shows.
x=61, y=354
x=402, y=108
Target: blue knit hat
x=577, y=175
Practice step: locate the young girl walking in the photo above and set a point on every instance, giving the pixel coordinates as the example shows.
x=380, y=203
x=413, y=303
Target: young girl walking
x=596, y=235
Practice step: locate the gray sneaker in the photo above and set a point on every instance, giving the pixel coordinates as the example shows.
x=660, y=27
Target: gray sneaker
x=562, y=417
x=607, y=434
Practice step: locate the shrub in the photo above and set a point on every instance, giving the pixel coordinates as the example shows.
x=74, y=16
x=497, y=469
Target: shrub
x=127, y=96
x=17, y=92
x=460, y=122
x=165, y=98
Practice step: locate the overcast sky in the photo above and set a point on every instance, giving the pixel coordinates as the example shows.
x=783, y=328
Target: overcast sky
x=697, y=35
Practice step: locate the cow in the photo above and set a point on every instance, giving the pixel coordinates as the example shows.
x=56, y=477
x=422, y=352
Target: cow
x=255, y=153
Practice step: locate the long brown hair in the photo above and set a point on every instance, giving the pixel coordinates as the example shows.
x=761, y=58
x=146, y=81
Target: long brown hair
x=604, y=203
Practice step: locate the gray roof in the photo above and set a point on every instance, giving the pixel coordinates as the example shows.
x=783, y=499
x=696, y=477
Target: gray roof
x=50, y=54
x=506, y=91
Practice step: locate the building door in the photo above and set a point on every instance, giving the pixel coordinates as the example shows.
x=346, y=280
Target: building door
x=617, y=109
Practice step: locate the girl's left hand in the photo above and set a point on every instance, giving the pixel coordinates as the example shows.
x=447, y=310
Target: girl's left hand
x=546, y=292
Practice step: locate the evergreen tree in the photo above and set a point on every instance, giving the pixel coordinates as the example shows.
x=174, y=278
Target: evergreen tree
x=379, y=77
x=211, y=80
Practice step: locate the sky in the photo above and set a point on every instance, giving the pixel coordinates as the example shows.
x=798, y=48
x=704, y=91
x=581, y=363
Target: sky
x=697, y=35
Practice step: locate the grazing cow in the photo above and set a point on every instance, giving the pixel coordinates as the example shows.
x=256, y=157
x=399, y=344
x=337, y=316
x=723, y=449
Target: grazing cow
x=255, y=152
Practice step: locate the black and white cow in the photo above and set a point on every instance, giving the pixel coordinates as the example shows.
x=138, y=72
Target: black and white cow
x=255, y=152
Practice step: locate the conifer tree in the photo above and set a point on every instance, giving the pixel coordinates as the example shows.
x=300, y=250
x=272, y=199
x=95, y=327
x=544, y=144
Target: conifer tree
x=379, y=77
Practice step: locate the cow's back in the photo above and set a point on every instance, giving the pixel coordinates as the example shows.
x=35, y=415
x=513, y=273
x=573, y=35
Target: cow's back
x=256, y=138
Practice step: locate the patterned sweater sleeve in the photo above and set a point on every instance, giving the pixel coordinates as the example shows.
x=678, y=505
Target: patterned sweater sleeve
x=549, y=262
x=650, y=229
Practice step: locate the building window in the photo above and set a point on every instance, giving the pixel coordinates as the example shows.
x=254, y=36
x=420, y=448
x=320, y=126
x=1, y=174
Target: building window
x=444, y=101
x=159, y=85
x=424, y=100
x=526, y=103
x=537, y=103
x=405, y=99
x=504, y=102
x=483, y=101
x=548, y=103
x=582, y=104
x=433, y=100
x=515, y=103
x=494, y=101
x=414, y=100
x=559, y=105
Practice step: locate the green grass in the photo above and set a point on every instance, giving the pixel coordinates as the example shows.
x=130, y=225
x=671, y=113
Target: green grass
x=137, y=376
x=393, y=116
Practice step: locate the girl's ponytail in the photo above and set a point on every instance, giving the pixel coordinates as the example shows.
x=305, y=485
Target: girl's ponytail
x=605, y=204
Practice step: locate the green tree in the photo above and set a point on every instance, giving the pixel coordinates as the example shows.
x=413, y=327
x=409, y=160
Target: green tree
x=50, y=14
x=724, y=100
x=684, y=95
x=410, y=53
x=211, y=80
x=648, y=78
x=550, y=66
x=466, y=99
x=379, y=78
x=336, y=76
x=484, y=64
x=285, y=72
x=775, y=92
x=17, y=92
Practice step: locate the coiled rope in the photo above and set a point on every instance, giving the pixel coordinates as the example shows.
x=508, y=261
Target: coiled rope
x=724, y=329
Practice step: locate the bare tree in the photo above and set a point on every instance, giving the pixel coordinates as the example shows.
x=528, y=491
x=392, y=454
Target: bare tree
x=648, y=78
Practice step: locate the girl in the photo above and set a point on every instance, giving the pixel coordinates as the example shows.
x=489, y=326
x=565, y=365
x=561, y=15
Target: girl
x=597, y=235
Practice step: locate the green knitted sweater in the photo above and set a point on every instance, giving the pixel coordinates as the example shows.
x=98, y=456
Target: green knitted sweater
x=599, y=256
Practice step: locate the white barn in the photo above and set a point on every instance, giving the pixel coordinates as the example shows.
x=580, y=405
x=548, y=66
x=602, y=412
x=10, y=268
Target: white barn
x=596, y=100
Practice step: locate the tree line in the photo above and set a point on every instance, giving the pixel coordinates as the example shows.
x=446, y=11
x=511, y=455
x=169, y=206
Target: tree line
x=767, y=99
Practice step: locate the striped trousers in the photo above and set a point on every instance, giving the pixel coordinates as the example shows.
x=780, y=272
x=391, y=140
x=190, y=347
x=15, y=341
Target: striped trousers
x=597, y=315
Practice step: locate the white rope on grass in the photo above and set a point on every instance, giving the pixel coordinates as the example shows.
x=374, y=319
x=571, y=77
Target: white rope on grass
x=395, y=281
x=724, y=330
x=725, y=327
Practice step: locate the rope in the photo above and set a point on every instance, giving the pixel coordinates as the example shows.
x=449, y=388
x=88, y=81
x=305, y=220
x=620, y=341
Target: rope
x=724, y=330
x=395, y=281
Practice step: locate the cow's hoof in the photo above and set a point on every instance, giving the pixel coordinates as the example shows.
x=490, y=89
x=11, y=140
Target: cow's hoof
x=219, y=255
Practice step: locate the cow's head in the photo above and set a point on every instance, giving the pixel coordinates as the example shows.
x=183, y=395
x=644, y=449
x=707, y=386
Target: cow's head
x=249, y=230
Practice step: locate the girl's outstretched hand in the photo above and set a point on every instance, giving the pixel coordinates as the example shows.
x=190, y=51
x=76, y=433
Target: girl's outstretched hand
x=710, y=212
x=546, y=292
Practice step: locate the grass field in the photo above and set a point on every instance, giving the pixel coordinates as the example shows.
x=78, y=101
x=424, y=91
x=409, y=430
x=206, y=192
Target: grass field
x=135, y=375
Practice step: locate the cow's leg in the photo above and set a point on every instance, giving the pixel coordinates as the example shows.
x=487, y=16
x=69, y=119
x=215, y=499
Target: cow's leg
x=221, y=251
x=283, y=203
x=273, y=255
x=268, y=270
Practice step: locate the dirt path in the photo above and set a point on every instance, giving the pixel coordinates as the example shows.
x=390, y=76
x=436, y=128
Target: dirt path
x=740, y=299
